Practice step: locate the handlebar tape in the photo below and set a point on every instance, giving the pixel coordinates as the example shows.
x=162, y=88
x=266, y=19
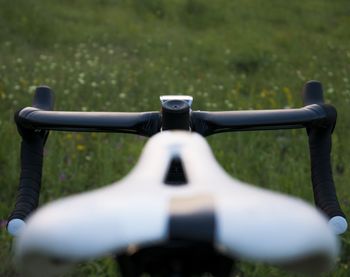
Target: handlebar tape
x=32, y=148
x=320, y=145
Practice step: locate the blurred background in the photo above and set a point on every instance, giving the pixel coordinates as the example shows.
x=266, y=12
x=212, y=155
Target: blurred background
x=120, y=55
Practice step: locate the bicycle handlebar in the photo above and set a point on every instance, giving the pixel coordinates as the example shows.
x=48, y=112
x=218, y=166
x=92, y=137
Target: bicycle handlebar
x=318, y=118
x=149, y=123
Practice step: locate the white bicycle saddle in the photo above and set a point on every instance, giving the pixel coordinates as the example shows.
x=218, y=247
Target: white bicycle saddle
x=242, y=221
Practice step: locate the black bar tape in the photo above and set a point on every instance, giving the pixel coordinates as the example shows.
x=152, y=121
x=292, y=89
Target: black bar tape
x=32, y=147
x=320, y=144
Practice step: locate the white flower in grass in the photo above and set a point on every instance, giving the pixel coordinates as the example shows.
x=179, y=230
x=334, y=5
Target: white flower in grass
x=31, y=89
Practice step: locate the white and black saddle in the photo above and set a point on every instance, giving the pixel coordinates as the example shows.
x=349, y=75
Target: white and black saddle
x=176, y=192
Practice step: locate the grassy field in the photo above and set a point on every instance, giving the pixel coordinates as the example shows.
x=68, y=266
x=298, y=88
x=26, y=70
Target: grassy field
x=106, y=55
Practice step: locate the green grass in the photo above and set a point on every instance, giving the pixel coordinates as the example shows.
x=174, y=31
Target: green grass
x=121, y=55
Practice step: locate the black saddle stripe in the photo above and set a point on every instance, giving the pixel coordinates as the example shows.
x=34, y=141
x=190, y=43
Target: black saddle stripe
x=192, y=218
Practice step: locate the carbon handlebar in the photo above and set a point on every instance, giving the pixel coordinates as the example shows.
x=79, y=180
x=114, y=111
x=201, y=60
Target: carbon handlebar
x=149, y=123
x=318, y=118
